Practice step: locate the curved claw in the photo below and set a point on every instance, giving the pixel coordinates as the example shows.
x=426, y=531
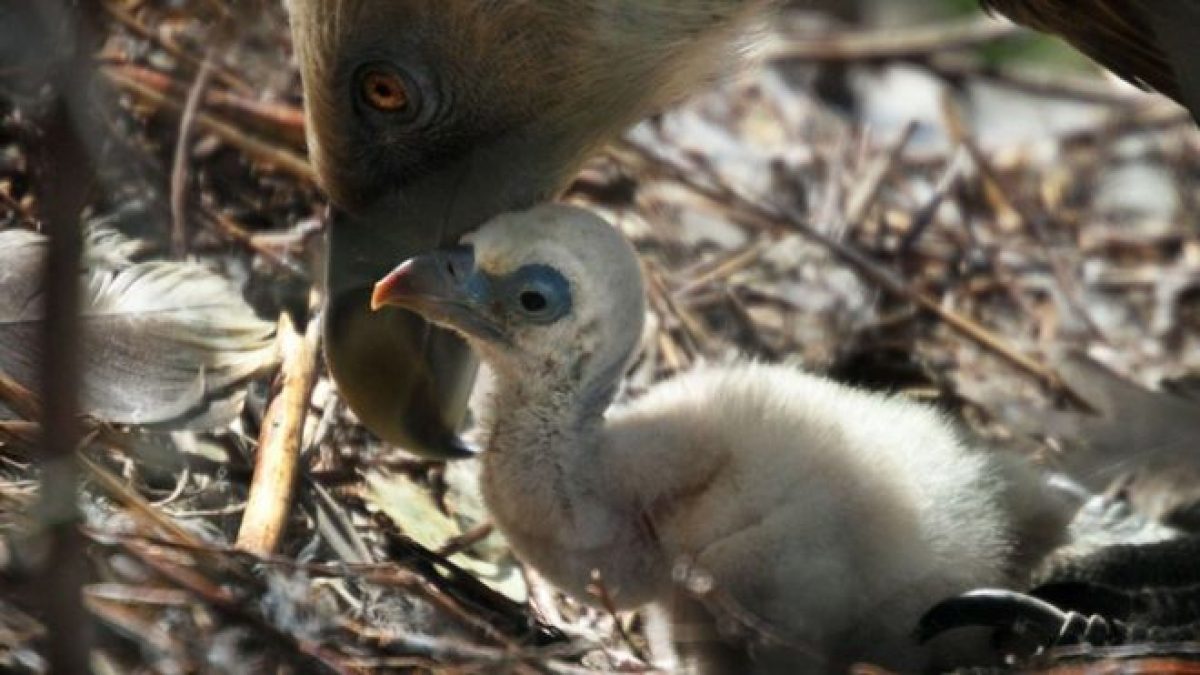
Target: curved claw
x=995, y=608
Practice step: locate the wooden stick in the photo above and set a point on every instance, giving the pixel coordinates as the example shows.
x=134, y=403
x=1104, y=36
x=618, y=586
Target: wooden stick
x=881, y=276
x=278, y=459
x=257, y=149
x=275, y=117
x=20, y=399
x=891, y=44
x=183, y=146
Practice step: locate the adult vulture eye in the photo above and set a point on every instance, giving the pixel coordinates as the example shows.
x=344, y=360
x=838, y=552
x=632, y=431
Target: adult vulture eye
x=386, y=90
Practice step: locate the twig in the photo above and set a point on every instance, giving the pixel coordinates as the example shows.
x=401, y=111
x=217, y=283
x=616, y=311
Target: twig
x=22, y=435
x=949, y=181
x=183, y=143
x=883, y=277
x=727, y=267
x=231, y=229
x=866, y=192
x=1154, y=116
x=141, y=509
x=598, y=590
x=21, y=400
x=397, y=577
x=271, y=489
x=129, y=21
x=1093, y=90
x=1029, y=220
x=466, y=540
x=892, y=44
x=257, y=149
x=66, y=174
x=280, y=119
x=315, y=657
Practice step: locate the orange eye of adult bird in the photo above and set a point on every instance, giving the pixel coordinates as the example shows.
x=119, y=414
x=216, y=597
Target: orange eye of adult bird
x=385, y=91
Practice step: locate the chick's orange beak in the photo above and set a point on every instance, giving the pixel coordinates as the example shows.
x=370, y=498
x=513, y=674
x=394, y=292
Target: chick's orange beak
x=393, y=289
x=444, y=287
x=430, y=279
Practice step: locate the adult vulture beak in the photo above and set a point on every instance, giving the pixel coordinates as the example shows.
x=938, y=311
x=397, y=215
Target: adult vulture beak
x=407, y=380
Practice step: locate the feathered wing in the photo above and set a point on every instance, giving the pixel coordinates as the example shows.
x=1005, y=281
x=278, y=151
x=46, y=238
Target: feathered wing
x=1150, y=43
x=163, y=343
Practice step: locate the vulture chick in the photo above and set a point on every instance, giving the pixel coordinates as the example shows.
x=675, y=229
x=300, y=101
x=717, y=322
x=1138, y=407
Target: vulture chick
x=808, y=520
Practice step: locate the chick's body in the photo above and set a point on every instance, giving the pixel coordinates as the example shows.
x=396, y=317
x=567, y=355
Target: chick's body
x=809, y=519
x=832, y=516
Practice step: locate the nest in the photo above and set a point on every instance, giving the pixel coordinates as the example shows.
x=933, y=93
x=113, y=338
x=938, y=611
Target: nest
x=935, y=226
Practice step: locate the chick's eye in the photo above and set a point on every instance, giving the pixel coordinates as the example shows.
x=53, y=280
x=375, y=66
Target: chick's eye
x=539, y=294
x=533, y=301
x=386, y=90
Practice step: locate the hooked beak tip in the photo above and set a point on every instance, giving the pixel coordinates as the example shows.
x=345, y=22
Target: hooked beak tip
x=391, y=289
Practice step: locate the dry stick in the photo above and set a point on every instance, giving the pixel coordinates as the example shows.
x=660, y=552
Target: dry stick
x=466, y=540
x=179, y=172
x=20, y=435
x=726, y=268
x=222, y=597
x=449, y=652
x=21, y=400
x=1030, y=220
x=1093, y=90
x=866, y=193
x=152, y=638
x=883, y=277
x=257, y=149
x=66, y=171
x=129, y=21
x=950, y=180
x=283, y=119
x=1154, y=116
x=278, y=458
x=599, y=590
x=231, y=229
x=142, y=510
x=408, y=579
x=891, y=44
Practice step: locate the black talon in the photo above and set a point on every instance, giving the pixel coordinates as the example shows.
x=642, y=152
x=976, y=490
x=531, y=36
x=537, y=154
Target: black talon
x=1078, y=629
x=994, y=608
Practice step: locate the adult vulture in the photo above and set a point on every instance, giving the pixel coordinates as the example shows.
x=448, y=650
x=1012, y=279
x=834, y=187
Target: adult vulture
x=439, y=114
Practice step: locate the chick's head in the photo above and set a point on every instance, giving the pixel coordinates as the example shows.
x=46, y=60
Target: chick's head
x=552, y=287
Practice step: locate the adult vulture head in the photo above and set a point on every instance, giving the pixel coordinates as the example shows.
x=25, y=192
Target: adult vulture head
x=439, y=114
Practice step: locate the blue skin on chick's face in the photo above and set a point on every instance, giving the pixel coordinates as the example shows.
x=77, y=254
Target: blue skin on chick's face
x=537, y=294
x=448, y=288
